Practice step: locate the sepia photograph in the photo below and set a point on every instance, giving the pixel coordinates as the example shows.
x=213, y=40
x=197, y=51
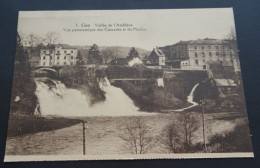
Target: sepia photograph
x=127, y=84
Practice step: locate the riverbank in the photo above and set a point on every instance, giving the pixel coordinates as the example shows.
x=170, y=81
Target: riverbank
x=20, y=125
x=101, y=130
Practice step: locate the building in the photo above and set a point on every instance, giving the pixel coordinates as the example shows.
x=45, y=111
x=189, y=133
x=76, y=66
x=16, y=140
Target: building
x=58, y=55
x=194, y=54
x=157, y=57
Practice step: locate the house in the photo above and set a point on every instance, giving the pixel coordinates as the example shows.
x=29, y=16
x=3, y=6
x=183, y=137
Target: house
x=157, y=57
x=227, y=86
x=58, y=55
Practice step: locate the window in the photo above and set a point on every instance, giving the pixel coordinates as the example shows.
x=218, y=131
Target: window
x=196, y=55
x=71, y=51
x=223, y=47
x=50, y=57
x=196, y=62
x=202, y=47
x=64, y=63
x=64, y=57
x=203, y=54
x=203, y=60
x=58, y=63
x=51, y=52
x=217, y=54
x=65, y=51
x=209, y=47
x=58, y=52
x=58, y=57
x=43, y=63
x=44, y=51
x=216, y=47
x=210, y=54
x=195, y=47
x=71, y=57
x=43, y=58
x=224, y=54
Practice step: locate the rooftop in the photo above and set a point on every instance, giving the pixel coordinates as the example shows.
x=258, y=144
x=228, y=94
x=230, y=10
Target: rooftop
x=159, y=52
x=63, y=46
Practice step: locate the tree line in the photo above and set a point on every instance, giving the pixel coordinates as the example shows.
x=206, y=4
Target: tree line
x=180, y=135
x=94, y=55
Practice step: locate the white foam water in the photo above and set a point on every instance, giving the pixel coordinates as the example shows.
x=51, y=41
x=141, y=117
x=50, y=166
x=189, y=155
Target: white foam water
x=57, y=99
x=190, y=99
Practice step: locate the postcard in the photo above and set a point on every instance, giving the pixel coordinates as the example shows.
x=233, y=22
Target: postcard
x=127, y=84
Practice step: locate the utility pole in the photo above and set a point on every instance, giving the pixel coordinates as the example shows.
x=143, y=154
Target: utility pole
x=203, y=126
x=84, y=141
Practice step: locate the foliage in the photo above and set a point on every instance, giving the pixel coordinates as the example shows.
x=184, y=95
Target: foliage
x=51, y=37
x=138, y=136
x=94, y=56
x=189, y=125
x=23, y=98
x=177, y=136
x=133, y=53
x=80, y=61
x=237, y=140
x=170, y=137
x=108, y=54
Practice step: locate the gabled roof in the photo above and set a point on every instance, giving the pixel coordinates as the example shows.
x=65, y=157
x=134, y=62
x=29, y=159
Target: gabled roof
x=158, y=52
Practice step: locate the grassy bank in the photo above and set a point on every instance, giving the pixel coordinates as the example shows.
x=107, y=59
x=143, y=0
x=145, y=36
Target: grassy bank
x=28, y=124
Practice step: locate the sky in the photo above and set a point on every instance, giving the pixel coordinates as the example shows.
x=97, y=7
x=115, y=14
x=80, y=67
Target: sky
x=158, y=27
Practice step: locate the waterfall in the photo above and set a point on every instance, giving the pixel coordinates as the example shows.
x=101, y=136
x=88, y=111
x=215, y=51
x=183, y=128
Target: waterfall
x=190, y=99
x=56, y=99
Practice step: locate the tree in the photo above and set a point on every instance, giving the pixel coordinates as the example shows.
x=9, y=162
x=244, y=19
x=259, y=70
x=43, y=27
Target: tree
x=94, y=56
x=231, y=40
x=52, y=38
x=34, y=40
x=189, y=124
x=80, y=60
x=107, y=54
x=170, y=137
x=23, y=82
x=133, y=53
x=137, y=136
x=236, y=140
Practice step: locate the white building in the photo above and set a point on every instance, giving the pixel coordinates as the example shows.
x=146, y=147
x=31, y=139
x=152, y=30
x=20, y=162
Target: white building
x=58, y=55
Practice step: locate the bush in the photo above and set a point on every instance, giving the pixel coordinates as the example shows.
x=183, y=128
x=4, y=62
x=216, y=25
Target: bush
x=237, y=140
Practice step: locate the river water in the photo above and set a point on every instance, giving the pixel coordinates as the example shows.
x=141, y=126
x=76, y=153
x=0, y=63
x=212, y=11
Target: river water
x=56, y=99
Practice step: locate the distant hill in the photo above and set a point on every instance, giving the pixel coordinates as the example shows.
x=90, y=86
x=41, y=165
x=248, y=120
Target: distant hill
x=120, y=51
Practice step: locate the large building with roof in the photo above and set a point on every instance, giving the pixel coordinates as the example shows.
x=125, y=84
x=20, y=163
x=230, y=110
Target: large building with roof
x=58, y=55
x=157, y=57
x=195, y=54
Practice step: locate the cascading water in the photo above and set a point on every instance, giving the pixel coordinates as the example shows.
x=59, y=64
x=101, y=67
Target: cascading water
x=56, y=99
x=190, y=99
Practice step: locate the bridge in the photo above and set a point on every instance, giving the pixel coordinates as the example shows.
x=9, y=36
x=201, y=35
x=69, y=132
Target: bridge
x=45, y=71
